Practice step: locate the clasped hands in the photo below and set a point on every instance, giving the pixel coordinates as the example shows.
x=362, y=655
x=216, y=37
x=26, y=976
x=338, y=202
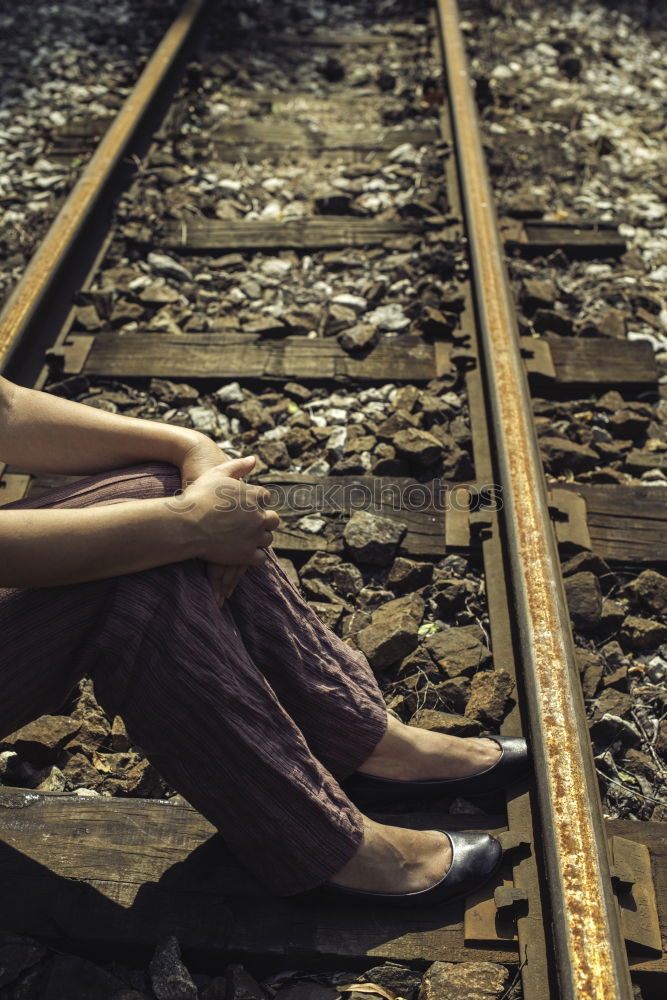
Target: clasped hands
x=231, y=516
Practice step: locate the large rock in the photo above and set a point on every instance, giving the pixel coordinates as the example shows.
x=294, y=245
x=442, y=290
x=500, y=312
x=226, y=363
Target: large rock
x=538, y=292
x=346, y=579
x=454, y=694
x=560, y=454
x=591, y=669
x=449, y=594
x=252, y=415
x=417, y=446
x=661, y=740
x=80, y=773
x=446, y=722
x=241, y=985
x=464, y=981
x=400, y=980
x=372, y=539
x=16, y=955
x=359, y=337
x=642, y=633
x=584, y=599
x=419, y=662
x=612, y=729
x=170, y=980
x=489, y=691
x=393, y=631
x=317, y=589
x=77, y=978
x=95, y=726
x=456, y=651
x=611, y=702
x=612, y=617
x=175, y=393
x=650, y=591
x=275, y=454
x=406, y=574
x=396, y=422
x=329, y=614
x=41, y=741
x=584, y=562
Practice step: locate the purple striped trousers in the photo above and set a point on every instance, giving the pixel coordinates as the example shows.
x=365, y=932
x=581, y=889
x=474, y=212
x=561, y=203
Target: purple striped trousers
x=253, y=712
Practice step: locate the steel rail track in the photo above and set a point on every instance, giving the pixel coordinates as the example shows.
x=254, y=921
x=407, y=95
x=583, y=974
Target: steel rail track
x=589, y=945
x=69, y=246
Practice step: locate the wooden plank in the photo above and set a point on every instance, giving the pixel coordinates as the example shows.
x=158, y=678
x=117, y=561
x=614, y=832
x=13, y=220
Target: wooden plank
x=321, y=38
x=424, y=537
x=275, y=136
x=578, y=240
x=644, y=502
x=404, y=358
x=234, y=356
x=108, y=875
x=113, y=876
x=653, y=836
x=627, y=524
x=419, y=507
x=297, y=493
x=331, y=233
x=596, y=361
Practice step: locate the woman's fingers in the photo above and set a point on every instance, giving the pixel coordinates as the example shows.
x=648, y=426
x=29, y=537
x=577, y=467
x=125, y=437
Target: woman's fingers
x=271, y=520
x=235, y=468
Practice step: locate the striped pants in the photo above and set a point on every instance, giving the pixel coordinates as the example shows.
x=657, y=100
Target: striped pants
x=253, y=712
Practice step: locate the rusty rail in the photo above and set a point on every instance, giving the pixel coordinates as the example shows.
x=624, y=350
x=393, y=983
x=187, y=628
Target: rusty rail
x=589, y=947
x=30, y=300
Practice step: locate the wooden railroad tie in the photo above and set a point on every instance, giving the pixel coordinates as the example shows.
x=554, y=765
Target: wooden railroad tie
x=577, y=240
x=260, y=140
x=620, y=524
x=104, y=874
x=558, y=361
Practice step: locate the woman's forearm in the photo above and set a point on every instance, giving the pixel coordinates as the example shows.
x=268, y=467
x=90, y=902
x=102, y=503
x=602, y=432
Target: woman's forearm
x=42, y=548
x=44, y=433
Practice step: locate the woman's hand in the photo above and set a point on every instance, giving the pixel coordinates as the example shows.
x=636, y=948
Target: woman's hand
x=201, y=456
x=229, y=517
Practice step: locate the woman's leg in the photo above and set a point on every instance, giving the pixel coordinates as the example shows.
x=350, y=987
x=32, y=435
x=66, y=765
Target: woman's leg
x=174, y=666
x=325, y=686
x=49, y=628
x=166, y=658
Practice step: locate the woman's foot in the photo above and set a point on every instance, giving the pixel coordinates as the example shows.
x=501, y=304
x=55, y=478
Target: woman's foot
x=391, y=859
x=407, y=753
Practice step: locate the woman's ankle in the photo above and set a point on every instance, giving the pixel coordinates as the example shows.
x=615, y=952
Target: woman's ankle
x=393, y=859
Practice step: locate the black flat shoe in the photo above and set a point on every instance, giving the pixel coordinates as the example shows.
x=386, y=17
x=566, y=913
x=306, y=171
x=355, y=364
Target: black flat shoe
x=375, y=793
x=476, y=858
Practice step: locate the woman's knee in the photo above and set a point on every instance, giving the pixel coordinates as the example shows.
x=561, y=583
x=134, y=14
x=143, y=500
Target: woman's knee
x=146, y=481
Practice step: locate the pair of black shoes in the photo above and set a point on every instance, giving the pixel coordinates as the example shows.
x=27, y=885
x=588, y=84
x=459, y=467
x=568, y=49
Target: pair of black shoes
x=476, y=857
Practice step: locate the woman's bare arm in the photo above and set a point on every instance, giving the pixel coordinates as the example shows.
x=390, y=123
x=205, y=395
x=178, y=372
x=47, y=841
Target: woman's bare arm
x=43, y=548
x=218, y=518
x=44, y=433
